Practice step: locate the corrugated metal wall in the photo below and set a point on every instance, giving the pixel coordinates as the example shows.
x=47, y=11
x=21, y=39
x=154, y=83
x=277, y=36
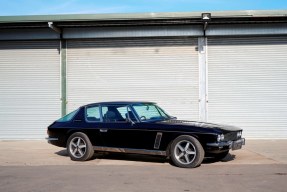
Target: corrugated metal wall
x=247, y=78
x=29, y=88
x=164, y=70
x=247, y=84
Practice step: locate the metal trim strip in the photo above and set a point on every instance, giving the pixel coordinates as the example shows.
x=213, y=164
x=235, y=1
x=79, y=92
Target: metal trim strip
x=51, y=139
x=129, y=150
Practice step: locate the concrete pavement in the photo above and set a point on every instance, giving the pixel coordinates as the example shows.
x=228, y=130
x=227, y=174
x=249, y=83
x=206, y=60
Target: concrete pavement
x=28, y=166
x=126, y=178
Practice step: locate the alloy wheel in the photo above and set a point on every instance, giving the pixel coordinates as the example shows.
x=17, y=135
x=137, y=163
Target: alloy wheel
x=78, y=147
x=185, y=152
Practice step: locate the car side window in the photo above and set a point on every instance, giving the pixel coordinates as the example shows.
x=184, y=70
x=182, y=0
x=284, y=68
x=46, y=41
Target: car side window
x=114, y=113
x=93, y=113
x=122, y=111
x=126, y=113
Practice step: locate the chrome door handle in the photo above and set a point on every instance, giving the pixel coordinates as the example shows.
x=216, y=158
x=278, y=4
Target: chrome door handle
x=103, y=130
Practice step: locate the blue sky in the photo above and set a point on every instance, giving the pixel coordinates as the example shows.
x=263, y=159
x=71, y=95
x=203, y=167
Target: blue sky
x=44, y=7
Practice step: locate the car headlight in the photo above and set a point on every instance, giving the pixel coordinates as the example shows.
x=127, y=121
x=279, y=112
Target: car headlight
x=239, y=134
x=220, y=138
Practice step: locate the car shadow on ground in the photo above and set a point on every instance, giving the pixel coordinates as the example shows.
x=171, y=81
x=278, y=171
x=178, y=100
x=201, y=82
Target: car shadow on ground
x=131, y=157
x=121, y=156
x=210, y=160
x=144, y=158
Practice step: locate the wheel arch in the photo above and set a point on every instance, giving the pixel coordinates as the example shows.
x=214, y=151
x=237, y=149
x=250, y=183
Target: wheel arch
x=176, y=136
x=71, y=132
x=177, y=152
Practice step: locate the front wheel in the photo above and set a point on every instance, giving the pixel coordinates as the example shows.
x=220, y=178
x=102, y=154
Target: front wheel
x=186, y=152
x=79, y=147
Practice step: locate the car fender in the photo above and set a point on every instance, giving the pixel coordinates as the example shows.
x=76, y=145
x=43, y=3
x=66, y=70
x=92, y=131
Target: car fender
x=176, y=136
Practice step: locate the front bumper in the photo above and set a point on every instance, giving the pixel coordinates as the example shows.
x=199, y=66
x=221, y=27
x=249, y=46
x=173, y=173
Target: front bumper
x=234, y=145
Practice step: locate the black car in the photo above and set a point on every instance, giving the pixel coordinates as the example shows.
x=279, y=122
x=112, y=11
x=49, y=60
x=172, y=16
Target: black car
x=141, y=128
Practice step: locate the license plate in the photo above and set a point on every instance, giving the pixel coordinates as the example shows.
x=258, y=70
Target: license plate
x=237, y=145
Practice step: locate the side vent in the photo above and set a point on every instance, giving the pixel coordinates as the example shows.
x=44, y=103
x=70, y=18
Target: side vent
x=157, y=140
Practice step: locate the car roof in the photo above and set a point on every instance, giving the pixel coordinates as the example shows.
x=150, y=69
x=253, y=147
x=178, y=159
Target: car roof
x=120, y=103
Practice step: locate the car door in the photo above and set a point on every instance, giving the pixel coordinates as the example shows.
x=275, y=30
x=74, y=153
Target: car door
x=118, y=132
x=93, y=123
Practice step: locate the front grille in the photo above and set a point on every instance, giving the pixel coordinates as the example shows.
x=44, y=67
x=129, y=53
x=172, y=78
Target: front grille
x=232, y=136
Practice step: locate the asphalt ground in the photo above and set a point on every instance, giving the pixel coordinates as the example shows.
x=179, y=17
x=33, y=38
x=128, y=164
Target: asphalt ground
x=37, y=166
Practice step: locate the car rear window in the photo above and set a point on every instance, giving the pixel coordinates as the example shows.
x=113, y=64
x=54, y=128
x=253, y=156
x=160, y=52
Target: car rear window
x=68, y=117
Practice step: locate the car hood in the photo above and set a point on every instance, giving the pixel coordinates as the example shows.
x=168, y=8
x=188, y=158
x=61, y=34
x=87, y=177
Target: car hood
x=199, y=124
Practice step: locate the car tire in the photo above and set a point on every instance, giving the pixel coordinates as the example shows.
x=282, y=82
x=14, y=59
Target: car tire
x=79, y=147
x=221, y=156
x=186, y=152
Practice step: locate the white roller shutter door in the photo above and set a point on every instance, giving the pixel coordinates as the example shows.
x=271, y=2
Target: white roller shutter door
x=247, y=84
x=29, y=88
x=160, y=70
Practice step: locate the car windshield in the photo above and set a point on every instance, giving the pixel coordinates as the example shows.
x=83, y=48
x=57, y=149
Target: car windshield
x=150, y=112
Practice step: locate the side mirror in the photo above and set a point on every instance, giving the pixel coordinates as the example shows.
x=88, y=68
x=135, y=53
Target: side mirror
x=171, y=117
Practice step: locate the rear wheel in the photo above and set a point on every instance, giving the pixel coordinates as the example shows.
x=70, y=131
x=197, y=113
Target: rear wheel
x=79, y=147
x=186, y=152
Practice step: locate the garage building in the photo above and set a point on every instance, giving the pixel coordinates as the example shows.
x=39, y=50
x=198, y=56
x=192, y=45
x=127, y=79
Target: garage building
x=222, y=67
